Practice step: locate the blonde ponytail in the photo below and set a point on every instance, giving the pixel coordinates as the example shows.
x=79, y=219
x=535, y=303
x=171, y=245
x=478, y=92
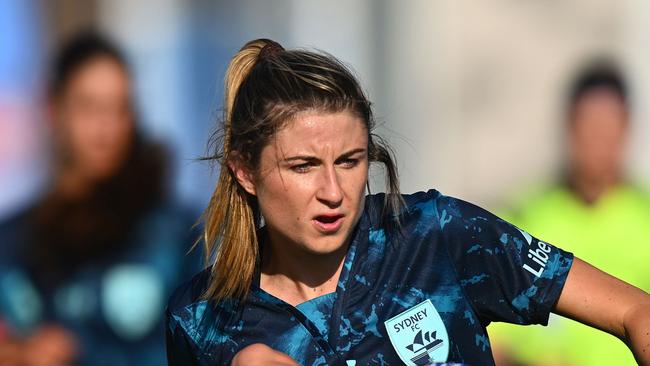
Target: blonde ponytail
x=238, y=69
x=230, y=231
x=266, y=86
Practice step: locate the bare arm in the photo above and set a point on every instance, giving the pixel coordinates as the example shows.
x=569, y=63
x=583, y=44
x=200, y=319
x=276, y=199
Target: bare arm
x=595, y=298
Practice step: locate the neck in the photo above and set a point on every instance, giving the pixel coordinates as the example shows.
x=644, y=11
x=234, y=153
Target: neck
x=591, y=189
x=296, y=276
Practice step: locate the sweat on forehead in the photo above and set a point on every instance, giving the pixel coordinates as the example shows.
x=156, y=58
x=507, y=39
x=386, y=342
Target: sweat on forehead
x=320, y=134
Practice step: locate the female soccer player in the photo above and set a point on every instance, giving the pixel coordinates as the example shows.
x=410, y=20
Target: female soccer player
x=307, y=269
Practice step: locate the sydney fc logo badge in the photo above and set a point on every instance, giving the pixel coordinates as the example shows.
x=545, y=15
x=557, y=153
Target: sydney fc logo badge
x=418, y=335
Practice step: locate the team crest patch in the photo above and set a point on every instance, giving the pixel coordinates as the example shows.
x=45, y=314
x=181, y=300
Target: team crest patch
x=418, y=335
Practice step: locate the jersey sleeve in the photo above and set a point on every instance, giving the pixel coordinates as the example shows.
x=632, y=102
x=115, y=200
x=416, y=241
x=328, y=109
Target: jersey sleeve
x=507, y=274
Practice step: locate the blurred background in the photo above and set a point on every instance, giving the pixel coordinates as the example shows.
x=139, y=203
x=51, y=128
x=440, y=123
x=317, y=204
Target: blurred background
x=471, y=91
x=471, y=94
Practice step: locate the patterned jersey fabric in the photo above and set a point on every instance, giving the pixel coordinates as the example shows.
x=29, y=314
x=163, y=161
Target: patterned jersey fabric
x=421, y=295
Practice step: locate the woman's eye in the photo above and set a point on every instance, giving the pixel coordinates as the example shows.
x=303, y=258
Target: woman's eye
x=349, y=163
x=301, y=168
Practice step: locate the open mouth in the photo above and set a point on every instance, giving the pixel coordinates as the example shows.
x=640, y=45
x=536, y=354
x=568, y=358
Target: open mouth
x=328, y=223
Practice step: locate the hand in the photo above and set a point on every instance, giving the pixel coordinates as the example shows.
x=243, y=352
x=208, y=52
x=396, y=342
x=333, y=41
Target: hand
x=261, y=354
x=10, y=352
x=51, y=345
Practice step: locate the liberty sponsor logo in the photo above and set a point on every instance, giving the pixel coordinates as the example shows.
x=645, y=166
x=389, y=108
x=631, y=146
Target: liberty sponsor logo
x=418, y=335
x=537, y=255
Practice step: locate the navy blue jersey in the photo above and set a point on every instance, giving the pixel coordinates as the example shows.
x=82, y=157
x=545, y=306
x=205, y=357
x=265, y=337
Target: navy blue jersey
x=412, y=298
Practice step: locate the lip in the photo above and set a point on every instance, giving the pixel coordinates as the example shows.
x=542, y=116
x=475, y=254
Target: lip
x=329, y=223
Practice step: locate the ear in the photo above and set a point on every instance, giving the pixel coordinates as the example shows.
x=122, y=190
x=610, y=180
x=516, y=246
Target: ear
x=242, y=174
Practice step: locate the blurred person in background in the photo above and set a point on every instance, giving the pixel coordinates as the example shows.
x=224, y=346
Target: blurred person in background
x=595, y=213
x=85, y=271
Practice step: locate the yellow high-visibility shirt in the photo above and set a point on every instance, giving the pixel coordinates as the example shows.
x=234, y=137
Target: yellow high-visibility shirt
x=614, y=235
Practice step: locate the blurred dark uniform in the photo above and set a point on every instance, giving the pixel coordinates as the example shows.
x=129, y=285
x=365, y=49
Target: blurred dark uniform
x=112, y=303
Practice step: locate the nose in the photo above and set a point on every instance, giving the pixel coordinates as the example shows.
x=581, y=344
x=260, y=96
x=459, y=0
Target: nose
x=330, y=191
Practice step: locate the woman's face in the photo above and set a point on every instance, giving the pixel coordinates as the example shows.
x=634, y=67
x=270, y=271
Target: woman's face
x=93, y=118
x=598, y=135
x=311, y=181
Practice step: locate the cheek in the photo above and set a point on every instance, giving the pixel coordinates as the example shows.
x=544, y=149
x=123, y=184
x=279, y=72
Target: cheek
x=120, y=134
x=77, y=135
x=358, y=180
x=280, y=197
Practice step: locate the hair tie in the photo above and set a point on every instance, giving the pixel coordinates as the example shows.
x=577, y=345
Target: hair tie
x=271, y=48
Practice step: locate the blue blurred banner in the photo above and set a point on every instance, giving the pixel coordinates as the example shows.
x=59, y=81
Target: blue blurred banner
x=21, y=54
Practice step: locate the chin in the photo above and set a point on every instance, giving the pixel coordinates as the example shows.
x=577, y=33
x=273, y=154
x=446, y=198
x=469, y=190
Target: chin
x=325, y=246
x=103, y=169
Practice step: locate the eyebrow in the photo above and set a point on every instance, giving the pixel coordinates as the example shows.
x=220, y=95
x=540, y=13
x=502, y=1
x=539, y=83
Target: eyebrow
x=312, y=158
